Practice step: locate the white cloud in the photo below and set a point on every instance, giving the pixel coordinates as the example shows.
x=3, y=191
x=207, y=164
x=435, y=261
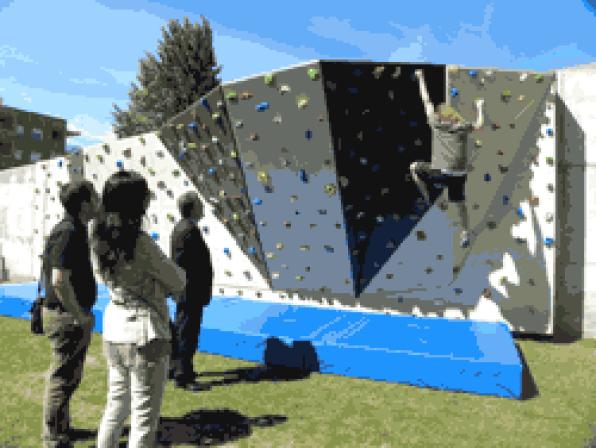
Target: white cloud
x=87, y=81
x=9, y=52
x=92, y=130
x=124, y=77
x=26, y=97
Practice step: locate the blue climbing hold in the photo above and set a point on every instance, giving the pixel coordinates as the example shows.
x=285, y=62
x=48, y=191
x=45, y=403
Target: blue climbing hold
x=204, y=103
x=226, y=251
x=505, y=200
x=473, y=73
x=454, y=91
x=549, y=241
x=192, y=125
x=262, y=106
x=303, y=176
x=252, y=250
x=119, y=164
x=257, y=201
x=154, y=236
x=308, y=134
x=458, y=290
x=59, y=163
x=550, y=132
x=520, y=212
x=211, y=170
x=487, y=177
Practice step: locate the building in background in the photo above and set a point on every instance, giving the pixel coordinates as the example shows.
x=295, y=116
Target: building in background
x=27, y=137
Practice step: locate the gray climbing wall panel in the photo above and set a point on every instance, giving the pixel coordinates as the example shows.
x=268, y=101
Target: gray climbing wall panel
x=282, y=130
x=201, y=140
x=510, y=197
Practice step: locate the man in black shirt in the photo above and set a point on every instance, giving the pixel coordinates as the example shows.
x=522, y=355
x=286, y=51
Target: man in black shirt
x=71, y=292
x=189, y=251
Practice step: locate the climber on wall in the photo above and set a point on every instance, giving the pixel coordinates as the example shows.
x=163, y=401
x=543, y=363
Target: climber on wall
x=449, y=158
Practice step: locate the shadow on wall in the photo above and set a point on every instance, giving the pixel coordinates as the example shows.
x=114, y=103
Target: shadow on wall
x=571, y=236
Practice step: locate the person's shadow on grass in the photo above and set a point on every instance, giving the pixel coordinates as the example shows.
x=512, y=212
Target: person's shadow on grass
x=211, y=427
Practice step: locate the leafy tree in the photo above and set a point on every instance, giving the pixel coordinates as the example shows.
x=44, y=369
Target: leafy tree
x=184, y=69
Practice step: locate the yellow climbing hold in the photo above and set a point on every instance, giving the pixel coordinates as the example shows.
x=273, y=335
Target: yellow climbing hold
x=302, y=101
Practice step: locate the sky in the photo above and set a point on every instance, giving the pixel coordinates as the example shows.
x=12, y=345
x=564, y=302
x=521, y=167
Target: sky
x=75, y=59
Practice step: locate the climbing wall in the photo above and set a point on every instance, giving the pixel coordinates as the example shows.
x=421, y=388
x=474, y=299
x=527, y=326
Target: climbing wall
x=307, y=137
x=202, y=141
x=510, y=194
x=167, y=181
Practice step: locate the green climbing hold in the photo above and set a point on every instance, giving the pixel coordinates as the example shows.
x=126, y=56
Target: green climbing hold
x=180, y=126
x=268, y=79
x=192, y=145
x=313, y=73
x=176, y=173
x=330, y=189
x=231, y=95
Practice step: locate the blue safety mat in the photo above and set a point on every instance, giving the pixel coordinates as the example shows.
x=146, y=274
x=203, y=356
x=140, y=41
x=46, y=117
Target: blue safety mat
x=458, y=355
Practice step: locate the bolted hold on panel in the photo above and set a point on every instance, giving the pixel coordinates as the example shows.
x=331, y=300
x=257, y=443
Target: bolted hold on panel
x=231, y=95
x=262, y=106
x=119, y=164
x=269, y=79
x=308, y=134
x=302, y=101
x=549, y=242
x=193, y=126
x=303, y=176
x=252, y=250
x=330, y=189
x=257, y=201
x=155, y=236
x=454, y=91
x=313, y=73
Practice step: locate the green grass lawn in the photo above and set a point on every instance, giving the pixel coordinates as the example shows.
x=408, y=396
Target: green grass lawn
x=251, y=409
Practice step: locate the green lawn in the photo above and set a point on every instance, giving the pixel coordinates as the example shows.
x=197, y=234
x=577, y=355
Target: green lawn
x=248, y=409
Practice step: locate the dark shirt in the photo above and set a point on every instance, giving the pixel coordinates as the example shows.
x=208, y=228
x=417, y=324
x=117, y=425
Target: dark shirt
x=68, y=248
x=189, y=251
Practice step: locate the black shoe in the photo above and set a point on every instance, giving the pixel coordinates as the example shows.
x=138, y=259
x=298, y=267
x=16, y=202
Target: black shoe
x=192, y=386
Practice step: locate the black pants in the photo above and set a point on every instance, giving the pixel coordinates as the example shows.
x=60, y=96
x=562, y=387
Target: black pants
x=185, y=339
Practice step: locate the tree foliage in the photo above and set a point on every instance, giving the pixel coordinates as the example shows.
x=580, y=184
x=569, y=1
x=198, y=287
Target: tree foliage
x=184, y=69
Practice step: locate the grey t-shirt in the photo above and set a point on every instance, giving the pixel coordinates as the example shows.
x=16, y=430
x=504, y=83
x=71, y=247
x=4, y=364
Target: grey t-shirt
x=449, y=146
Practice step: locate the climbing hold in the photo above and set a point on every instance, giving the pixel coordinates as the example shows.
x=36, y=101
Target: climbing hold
x=233, y=154
x=176, y=173
x=521, y=98
x=538, y=77
x=503, y=169
x=487, y=177
x=269, y=255
x=523, y=77
x=302, y=101
x=549, y=241
x=277, y=118
x=262, y=106
x=329, y=248
x=534, y=201
x=284, y=88
x=300, y=277
x=119, y=164
x=268, y=79
x=421, y=235
x=293, y=198
x=304, y=247
x=211, y=170
x=252, y=250
x=500, y=152
x=257, y=201
x=308, y=134
x=287, y=224
x=100, y=158
x=106, y=148
x=231, y=95
x=505, y=200
x=263, y=177
x=303, y=176
x=549, y=217
x=473, y=73
x=313, y=73
x=245, y=95
x=378, y=71
x=454, y=91
x=193, y=126
x=227, y=251
x=478, y=143
x=171, y=217
x=330, y=189
x=235, y=216
x=216, y=116
x=155, y=236
x=550, y=132
x=279, y=246
x=520, y=212
x=505, y=95
x=253, y=137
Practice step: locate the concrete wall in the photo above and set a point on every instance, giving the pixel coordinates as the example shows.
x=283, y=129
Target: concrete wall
x=576, y=302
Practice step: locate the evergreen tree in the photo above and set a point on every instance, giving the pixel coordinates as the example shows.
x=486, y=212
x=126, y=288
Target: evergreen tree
x=184, y=69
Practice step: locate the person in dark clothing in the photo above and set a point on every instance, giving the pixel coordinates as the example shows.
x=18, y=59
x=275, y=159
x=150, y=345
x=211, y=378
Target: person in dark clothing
x=71, y=292
x=189, y=251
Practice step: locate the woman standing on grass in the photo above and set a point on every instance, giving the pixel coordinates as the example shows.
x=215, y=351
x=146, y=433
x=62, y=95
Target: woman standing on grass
x=136, y=333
